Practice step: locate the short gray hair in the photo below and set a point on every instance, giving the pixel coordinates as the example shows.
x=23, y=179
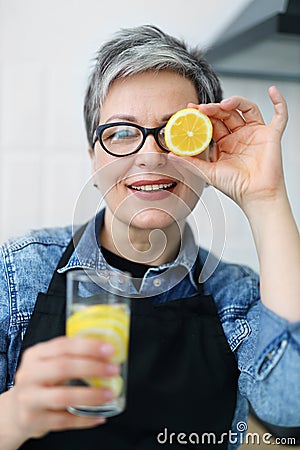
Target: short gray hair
x=135, y=50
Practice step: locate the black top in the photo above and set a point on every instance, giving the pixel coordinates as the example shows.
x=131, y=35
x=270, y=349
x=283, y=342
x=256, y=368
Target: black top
x=137, y=270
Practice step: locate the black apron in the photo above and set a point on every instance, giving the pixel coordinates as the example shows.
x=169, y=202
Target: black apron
x=182, y=375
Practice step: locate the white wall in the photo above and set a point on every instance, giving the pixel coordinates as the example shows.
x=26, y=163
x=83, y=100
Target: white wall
x=46, y=49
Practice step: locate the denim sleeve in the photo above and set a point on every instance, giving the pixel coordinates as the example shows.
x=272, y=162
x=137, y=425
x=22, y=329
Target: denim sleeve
x=4, y=321
x=269, y=360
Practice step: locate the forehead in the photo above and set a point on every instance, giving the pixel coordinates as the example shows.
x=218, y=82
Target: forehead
x=148, y=93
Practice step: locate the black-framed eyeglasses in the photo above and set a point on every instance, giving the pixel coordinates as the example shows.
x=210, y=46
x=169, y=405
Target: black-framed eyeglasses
x=124, y=138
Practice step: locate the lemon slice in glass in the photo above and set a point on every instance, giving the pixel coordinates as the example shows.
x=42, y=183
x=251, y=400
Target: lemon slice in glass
x=107, y=323
x=114, y=383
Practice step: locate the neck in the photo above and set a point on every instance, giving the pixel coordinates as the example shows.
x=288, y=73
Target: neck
x=145, y=246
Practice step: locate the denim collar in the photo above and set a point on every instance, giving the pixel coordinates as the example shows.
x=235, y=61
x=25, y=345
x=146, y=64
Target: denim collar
x=88, y=254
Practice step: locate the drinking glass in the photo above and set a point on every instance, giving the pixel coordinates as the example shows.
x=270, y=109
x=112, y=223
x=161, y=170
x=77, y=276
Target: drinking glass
x=98, y=306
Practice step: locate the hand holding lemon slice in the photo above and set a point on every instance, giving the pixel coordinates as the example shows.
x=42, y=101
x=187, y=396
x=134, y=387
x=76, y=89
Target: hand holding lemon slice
x=188, y=132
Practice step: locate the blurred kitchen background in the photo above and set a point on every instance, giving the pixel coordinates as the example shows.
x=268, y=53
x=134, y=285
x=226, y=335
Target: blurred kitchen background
x=46, y=52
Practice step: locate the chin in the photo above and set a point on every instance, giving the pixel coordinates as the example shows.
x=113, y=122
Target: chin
x=152, y=219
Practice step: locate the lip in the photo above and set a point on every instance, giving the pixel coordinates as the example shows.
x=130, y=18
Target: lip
x=156, y=181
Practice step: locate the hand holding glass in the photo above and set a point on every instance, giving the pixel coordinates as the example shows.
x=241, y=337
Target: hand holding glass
x=98, y=307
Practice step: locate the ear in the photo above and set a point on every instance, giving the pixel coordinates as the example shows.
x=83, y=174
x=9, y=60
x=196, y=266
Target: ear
x=93, y=164
x=92, y=158
x=91, y=153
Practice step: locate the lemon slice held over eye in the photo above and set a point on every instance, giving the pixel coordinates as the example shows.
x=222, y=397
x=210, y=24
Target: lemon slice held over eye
x=188, y=132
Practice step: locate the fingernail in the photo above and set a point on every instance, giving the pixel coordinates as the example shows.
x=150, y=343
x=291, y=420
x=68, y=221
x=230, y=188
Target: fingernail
x=99, y=420
x=106, y=349
x=226, y=100
x=112, y=369
x=108, y=394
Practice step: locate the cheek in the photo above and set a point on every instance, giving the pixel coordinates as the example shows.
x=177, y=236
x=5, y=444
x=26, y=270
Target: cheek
x=190, y=198
x=100, y=159
x=109, y=173
x=193, y=186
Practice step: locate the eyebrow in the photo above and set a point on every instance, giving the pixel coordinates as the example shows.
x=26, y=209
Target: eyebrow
x=129, y=118
x=121, y=117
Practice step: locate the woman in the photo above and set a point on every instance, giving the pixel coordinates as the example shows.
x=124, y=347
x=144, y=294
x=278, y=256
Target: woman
x=200, y=351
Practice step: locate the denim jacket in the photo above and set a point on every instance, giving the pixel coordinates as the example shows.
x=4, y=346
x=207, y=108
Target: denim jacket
x=266, y=346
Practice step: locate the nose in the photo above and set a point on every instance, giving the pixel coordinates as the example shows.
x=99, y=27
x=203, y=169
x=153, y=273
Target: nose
x=150, y=156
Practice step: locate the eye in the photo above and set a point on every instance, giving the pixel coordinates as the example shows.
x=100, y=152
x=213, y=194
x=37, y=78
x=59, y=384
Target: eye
x=123, y=133
x=162, y=133
x=161, y=138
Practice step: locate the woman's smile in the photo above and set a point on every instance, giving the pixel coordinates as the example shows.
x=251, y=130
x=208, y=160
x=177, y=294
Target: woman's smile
x=158, y=189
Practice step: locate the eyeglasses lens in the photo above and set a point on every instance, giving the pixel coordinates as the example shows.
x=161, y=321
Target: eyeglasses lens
x=161, y=138
x=122, y=139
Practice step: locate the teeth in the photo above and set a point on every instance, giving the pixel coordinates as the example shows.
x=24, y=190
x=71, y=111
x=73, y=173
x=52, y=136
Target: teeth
x=152, y=187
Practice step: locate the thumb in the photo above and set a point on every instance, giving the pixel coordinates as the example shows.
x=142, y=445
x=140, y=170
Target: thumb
x=280, y=116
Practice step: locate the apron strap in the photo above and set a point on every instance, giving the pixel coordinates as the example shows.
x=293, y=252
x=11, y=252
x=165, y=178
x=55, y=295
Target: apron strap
x=58, y=283
x=197, y=271
x=49, y=310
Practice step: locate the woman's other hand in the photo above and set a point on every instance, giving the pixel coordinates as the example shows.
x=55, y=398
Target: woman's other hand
x=37, y=403
x=245, y=162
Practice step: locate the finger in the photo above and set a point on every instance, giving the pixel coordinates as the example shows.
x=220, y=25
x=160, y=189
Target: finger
x=220, y=130
x=280, y=116
x=63, y=368
x=56, y=421
x=249, y=110
x=77, y=345
x=60, y=397
x=67, y=421
x=232, y=119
